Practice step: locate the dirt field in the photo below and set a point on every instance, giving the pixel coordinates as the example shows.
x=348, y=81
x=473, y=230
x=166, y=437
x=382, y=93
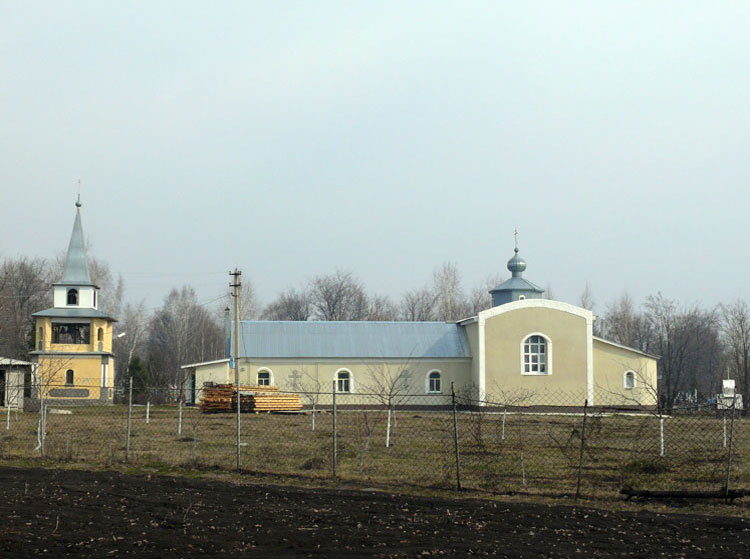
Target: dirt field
x=64, y=512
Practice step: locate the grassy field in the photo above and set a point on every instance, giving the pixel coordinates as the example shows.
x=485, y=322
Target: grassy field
x=519, y=452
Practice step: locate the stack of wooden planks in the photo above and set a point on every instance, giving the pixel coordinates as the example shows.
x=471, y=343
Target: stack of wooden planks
x=222, y=398
x=272, y=402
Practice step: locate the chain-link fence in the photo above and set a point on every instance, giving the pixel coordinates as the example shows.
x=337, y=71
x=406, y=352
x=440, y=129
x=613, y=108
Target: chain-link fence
x=502, y=443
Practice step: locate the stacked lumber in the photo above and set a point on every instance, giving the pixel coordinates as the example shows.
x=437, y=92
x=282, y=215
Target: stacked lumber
x=272, y=402
x=222, y=398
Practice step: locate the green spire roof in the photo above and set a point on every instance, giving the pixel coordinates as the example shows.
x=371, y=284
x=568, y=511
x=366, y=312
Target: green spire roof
x=76, y=270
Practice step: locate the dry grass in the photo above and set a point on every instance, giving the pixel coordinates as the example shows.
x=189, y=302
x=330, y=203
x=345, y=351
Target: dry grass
x=538, y=453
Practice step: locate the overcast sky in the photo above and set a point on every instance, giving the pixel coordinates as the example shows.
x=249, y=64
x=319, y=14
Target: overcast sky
x=290, y=139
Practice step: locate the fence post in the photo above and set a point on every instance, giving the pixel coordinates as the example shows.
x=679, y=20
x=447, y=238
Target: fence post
x=148, y=412
x=335, y=432
x=729, y=456
x=455, y=438
x=130, y=416
x=661, y=436
x=583, y=443
x=7, y=419
x=179, y=418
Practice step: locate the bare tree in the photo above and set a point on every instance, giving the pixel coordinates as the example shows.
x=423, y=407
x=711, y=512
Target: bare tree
x=290, y=305
x=480, y=298
x=735, y=327
x=686, y=338
x=418, y=305
x=309, y=385
x=381, y=308
x=181, y=332
x=450, y=303
x=587, y=298
x=24, y=289
x=249, y=306
x=338, y=296
x=129, y=338
x=622, y=323
x=388, y=383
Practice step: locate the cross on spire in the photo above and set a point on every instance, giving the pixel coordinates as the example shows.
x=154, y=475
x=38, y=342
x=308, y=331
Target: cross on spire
x=515, y=235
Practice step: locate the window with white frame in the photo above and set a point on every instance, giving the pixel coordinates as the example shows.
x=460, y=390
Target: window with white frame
x=536, y=355
x=264, y=377
x=343, y=381
x=629, y=380
x=434, y=385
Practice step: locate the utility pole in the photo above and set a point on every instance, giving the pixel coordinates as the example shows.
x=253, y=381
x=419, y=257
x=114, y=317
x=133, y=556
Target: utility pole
x=235, y=285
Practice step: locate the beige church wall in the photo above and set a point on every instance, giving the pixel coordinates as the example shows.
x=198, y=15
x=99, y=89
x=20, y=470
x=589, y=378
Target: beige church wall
x=43, y=326
x=106, y=327
x=86, y=377
x=472, y=335
x=611, y=362
x=566, y=381
x=363, y=375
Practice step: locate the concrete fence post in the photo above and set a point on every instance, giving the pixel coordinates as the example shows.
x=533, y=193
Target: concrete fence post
x=179, y=418
x=130, y=418
x=335, y=433
x=583, y=445
x=729, y=454
x=455, y=438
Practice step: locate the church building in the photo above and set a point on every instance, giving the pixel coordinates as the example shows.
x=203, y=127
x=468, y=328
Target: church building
x=73, y=356
x=524, y=349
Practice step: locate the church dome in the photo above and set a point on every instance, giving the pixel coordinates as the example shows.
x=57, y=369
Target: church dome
x=516, y=265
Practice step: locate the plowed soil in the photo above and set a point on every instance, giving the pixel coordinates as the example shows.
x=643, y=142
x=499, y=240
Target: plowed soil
x=63, y=512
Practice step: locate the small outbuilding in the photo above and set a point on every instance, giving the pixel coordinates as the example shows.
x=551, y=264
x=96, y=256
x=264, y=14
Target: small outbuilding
x=15, y=382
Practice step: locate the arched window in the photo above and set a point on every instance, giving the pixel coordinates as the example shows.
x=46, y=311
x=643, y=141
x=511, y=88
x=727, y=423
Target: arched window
x=343, y=381
x=69, y=377
x=100, y=335
x=72, y=296
x=536, y=355
x=629, y=380
x=433, y=382
x=40, y=339
x=264, y=377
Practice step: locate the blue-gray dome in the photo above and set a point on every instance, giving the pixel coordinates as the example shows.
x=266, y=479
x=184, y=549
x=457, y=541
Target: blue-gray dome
x=516, y=265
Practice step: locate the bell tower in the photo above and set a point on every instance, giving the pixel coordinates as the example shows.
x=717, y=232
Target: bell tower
x=73, y=349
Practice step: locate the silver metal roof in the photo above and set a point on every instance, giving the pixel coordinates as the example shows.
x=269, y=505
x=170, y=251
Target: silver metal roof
x=517, y=283
x=76, y=270
x=73, y=313
x=378, y=340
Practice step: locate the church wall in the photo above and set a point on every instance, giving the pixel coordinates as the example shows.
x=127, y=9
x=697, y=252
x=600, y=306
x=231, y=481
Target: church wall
x=610, y=365
x=363, y=374
x=87, y=372
x=472, y=335
x=566, y=383
x=45, y=324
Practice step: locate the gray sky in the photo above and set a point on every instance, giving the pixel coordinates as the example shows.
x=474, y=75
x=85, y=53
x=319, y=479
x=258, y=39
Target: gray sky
x=290, y=139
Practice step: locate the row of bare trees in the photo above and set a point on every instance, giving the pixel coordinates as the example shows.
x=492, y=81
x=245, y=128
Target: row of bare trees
x=698, y=346
x=342, y=296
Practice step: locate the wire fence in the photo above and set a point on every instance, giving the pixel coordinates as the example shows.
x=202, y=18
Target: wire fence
x=558, y=446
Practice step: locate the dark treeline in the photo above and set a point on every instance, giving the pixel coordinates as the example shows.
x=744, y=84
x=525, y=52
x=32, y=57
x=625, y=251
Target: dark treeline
x=697, y=346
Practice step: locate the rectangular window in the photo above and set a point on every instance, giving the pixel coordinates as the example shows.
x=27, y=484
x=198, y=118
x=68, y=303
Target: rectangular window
x=71, y=333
